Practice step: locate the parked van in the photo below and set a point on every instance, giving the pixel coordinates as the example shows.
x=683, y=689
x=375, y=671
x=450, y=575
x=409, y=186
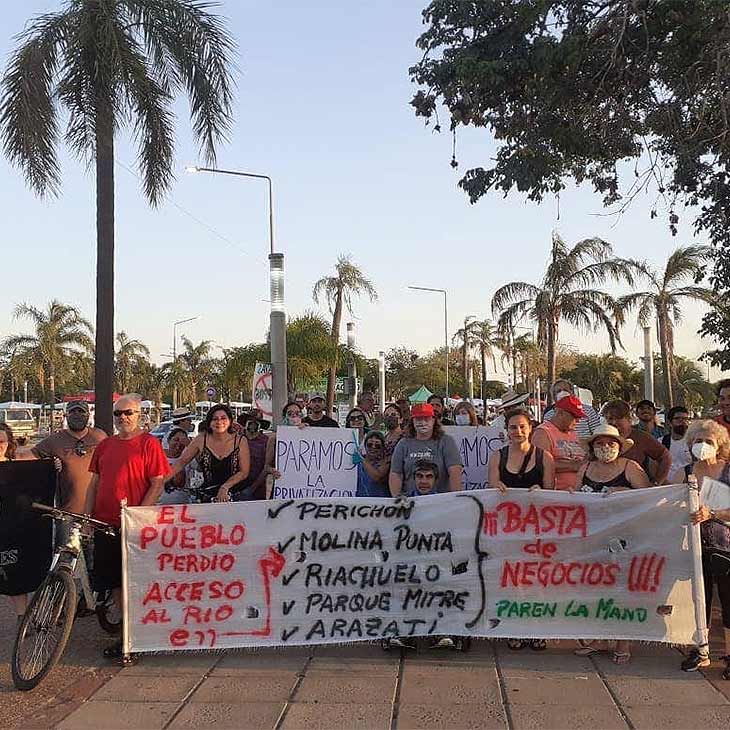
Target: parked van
x=19, y=416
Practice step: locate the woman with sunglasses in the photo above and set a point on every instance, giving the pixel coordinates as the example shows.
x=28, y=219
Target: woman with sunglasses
x=356, y=418
x=223, y=457
x=373, y=467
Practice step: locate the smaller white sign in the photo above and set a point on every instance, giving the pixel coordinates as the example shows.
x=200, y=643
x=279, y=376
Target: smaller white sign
x=315, y=462
x=476, y=443
x=262, y=390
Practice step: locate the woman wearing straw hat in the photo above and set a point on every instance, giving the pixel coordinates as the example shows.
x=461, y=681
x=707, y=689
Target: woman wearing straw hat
x=606, y=470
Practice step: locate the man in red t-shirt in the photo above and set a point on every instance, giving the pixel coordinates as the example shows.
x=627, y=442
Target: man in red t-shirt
x=131, y=466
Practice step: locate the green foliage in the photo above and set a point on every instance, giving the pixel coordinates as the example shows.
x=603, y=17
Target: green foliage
x=567, y=293
x=57, y=353
x=608, y=376
x=584, y=90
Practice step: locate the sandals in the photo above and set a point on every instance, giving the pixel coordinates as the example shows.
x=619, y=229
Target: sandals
x=538, y=644
x=621, y=657
x=516, y=644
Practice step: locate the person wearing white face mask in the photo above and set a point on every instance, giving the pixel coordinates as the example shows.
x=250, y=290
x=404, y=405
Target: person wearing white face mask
x=424, y=440
x=606, y=470
x=710, y=448
x=465, y=415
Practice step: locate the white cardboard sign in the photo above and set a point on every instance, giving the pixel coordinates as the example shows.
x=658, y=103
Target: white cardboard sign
x=476, y=444
x=315, y=462
x=523, y=564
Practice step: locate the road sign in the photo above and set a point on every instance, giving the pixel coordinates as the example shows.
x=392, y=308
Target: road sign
x=262, y=389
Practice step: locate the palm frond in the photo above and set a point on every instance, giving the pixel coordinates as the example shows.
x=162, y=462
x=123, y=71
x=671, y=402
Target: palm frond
x=28, y=114
x=513, y=292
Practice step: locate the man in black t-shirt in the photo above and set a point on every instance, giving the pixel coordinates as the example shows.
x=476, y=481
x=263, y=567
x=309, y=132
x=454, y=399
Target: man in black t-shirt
x=315, y=413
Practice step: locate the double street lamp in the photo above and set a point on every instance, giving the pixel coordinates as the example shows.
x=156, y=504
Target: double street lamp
x=277, y=321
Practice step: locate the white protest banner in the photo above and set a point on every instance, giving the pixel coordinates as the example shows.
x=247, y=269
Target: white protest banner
x=315, y=462
x=522, y=564
x=261, y=396
x=476, y=443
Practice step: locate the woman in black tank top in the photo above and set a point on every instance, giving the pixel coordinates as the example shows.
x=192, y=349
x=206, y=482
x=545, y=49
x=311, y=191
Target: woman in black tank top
x=520, y=464
x=606, y=471
x=223, y=456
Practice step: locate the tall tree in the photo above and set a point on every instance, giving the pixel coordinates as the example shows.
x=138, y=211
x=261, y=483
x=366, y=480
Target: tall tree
x=60, y=331
x=567, y=293
x=576, y=89
x=196, y=361
x=607, y=376
x=338, y=291
x=109, y=63
x=129, y=361
x=680, y=279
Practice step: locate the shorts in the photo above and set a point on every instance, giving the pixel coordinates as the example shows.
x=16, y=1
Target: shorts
x=107, y=572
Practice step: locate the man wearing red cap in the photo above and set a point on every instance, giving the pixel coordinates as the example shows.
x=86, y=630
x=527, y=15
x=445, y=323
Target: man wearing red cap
x=424, y=440
x=561, y=440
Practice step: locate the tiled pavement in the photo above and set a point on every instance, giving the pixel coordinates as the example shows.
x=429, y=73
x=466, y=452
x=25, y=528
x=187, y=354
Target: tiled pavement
x=363, y=687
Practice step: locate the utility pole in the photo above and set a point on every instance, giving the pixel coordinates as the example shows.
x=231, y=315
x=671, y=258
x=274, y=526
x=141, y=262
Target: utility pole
x=381, y=380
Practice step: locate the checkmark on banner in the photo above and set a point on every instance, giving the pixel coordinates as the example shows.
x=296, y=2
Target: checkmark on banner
x=281, y=547
x=285, y=635
x=286, y=579
x=287, y=607
x=274, y=513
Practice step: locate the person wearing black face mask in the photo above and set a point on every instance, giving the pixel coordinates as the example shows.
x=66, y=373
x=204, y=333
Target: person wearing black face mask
x=73, y=447
x=393, y=421
x=678, y=421
x=254, y=486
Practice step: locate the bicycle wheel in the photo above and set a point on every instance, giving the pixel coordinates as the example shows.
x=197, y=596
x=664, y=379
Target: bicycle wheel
x=45, y=629
x=108, y=613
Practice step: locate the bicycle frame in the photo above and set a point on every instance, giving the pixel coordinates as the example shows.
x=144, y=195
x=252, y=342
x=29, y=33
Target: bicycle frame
x=70, y=556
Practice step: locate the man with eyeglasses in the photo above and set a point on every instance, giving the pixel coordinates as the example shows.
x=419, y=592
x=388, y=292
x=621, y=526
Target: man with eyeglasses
x=73, y=447
x=130, y=465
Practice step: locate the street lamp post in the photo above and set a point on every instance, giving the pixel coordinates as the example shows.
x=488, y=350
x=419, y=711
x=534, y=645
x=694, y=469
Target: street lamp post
x=174, y=352
x=446, y=328
x=277, y=320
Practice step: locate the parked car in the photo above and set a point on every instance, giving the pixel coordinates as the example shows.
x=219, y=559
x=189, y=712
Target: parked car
x=161, y=430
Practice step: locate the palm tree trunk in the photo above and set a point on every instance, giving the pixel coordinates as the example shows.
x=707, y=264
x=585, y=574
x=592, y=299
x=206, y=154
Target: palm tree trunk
x=104, y=370
x=664, y=349
x=332, y=374
x=552, y=337
x=483, y=356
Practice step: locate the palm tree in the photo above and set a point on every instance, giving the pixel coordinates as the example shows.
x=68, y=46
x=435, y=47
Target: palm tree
x=485, y=339
x=196, y=362
x=52, y=351
x=679, y=280
x=129, y=359
x=567, y=293
x=338, y=291
x=310, y=349
x=108, y=63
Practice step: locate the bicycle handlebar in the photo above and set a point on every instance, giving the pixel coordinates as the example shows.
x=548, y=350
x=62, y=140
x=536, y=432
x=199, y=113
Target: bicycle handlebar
x=62, y=514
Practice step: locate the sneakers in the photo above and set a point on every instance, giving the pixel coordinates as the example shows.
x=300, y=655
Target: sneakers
x=441, y=642
x=695, y=661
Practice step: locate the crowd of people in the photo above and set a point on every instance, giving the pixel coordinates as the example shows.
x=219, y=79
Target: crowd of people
x=403, y=450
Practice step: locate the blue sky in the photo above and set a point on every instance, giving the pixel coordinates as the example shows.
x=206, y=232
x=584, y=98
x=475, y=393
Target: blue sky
x=323, y=108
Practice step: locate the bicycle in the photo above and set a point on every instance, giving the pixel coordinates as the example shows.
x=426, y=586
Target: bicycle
x=46, y=626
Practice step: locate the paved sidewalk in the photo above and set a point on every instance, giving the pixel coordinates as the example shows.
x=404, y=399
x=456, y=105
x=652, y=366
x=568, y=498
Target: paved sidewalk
x=364, y=687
